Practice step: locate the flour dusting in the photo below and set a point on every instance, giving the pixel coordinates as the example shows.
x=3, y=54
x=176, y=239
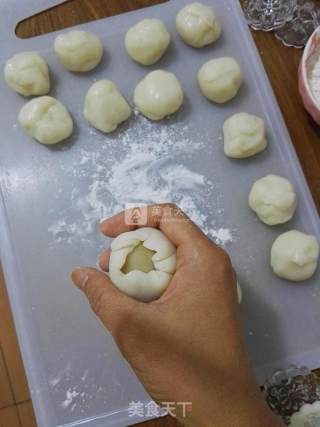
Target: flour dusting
x=143, y=164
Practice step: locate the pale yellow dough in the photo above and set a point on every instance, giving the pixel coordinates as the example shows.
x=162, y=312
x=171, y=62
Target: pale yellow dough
x=142, y=273
x=104, y=107
x=198, y=25
x=78, y=51
x=295, y=255
x=273, y=199
x=244, y=136
x=46, y=119
x=27, y=73
x=220, y=79
x=147, y=41
x=158, y=95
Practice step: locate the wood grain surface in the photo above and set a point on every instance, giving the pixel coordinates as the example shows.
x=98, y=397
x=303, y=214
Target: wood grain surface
x=280, y=62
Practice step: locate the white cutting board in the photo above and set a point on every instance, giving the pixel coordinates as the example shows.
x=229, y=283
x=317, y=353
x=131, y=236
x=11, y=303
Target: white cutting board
x=53, y=198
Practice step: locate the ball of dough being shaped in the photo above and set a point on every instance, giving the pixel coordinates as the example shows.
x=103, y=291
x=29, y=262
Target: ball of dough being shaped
x=244, y=136
x=273, y=199
x=198, y=25
x=46, y=119
x=158, y=95
x=220, y=79
x=294, y=256
x=147, y=41
x=78, y=51
x=142, y=263
x=104, y=107
x=27, y=73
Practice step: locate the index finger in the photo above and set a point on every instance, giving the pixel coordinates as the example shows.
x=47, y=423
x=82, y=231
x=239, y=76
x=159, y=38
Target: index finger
x=170, y=219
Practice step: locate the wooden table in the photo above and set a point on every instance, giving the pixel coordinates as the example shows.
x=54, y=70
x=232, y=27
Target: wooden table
x=281, y=64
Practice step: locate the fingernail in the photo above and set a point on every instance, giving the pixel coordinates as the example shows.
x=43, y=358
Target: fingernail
x=80, y=277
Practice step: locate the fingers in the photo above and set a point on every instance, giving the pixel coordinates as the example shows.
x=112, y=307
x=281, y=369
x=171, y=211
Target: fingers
x=109, y=304
x=104, y=259
x=167, y=217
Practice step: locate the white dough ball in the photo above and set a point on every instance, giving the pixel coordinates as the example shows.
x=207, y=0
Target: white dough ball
x=273, y=199
x=78, y=51
x=158, y=95
x=244, y=136
x=142, y=263
x=198, y=25
x=220, y=79
x=27, y=73
x=104, y=107
x=147, y=41
x=46, y=119
x=294, y=256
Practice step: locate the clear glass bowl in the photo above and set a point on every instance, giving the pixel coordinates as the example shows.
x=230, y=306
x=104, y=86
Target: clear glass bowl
x=289, y=389
x=306, y=19
x=268, y=15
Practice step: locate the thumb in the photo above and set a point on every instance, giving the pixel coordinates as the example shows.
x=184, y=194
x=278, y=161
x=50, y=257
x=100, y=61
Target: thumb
x=112, y=306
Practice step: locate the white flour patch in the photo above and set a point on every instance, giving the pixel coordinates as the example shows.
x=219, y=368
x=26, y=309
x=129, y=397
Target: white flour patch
x=71, y=395
x=144, y=164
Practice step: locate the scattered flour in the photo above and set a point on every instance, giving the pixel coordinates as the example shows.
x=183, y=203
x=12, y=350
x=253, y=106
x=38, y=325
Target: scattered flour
x=71, y=394
x=143, y=164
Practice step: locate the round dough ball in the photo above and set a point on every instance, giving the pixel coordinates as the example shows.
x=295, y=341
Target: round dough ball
x=142, y=263
x=220, y=79
x=147, y=41
x=104, y=107
x=78, y=51
x=158, y=95
x=273, y=199
x=46, y=119
x=27, y=73
x=244, y=136
x=294, y=256
x=198, y=25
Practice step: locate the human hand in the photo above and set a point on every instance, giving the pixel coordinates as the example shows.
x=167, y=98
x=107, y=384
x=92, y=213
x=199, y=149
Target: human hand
x=187, y=346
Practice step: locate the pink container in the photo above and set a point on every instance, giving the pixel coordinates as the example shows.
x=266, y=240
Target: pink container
x=309, y=76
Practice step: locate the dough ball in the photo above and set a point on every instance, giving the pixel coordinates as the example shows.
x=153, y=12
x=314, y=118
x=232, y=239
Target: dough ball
x=244, y=136
x=158, y=95
x=147, y=41
x=27, y=73
x=198, y=25
x=104, y=107
x=273, y=199
x=142, y=263
x=220, y=79
x=46, y=119
x=78, y=51
x=294, y=256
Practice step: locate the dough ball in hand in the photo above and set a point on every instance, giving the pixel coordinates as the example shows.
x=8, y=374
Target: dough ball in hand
x=294, y=256
x=220, y=79
x=273, y=199
x=244, y=136
x=27, y=73
x=142, y=263
x=104, y=107
x=78, y=51
x=46, y=119
x=158, y=95
x=198, y=25
x=147, y=41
